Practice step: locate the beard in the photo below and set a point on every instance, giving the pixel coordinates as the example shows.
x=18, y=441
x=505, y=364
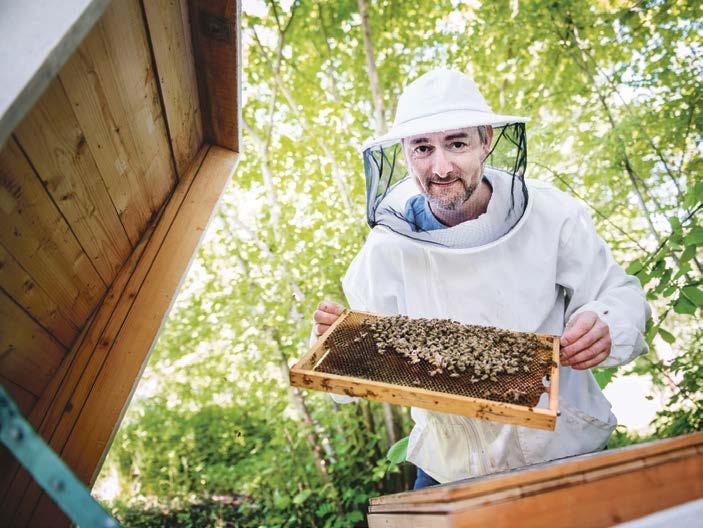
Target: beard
x=450, y=201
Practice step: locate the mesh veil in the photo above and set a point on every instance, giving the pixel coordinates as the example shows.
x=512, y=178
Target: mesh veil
x=389, y=186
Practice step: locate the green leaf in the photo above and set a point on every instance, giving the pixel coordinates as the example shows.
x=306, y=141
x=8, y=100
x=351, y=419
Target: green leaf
x=669, y=291
x=693, y=294
x=688, y=254
x=634, y=267
x=398, y=451
x=683, y=306
x=666, y=336
x=301, y=497
x=355, y=516
x=694, y=237
x=604, y=376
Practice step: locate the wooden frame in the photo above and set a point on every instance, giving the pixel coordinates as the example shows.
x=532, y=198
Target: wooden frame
x=75, y=413
x=304, y=375
x=121, y=123
x=599, y=489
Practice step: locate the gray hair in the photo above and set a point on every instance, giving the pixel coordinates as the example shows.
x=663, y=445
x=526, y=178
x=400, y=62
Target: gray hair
x=482, y=133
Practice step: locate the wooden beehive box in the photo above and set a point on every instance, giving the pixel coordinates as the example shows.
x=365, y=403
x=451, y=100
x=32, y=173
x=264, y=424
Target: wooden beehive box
x=595, y=490
x=119, y=128
x=339, y=364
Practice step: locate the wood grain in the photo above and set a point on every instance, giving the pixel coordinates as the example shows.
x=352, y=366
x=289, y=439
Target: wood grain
x=169, y=29
x=111, y=85
x=564, y=493
x=37, y=236
x=55, y=415
x=29, y=355
x=89, y=438
x=554, y=378
x=304, y=375
x=24, y=290
x=543, y=473
x=24, y=399
x=57, y=148
x=618, y=497
x=216, y=46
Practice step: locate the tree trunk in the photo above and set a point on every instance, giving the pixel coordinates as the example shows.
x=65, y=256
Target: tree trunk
x=371, y=65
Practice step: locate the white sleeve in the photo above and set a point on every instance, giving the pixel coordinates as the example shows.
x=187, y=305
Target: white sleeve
x=595, y=282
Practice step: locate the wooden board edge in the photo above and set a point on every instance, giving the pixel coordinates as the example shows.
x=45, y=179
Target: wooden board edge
x=435, y=401
x=538, y=473
x=554, y=378
x=555, y=493
x=57, y=409
x=312, y=356
x=216, y=39
x=89, y=438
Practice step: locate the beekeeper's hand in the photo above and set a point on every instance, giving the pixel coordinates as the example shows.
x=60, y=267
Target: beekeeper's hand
x=585, y=342
x=326, y=314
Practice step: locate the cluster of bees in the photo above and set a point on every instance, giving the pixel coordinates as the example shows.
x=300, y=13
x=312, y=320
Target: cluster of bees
x=480, y=353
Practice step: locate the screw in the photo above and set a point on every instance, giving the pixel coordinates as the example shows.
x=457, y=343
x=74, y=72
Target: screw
x=56, y=484
x=16, y=434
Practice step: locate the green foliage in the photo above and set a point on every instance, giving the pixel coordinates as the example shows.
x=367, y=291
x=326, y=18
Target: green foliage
x=224, y=512
x=604, y=376
x=611, y=91
x=621, y=437
x=684, y=411
x=398, y=451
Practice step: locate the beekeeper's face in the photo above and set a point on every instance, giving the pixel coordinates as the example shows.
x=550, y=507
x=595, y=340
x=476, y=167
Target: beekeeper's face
x=448, y=165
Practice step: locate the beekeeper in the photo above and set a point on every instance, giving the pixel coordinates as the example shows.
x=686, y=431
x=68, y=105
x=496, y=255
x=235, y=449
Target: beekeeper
x=458, y=233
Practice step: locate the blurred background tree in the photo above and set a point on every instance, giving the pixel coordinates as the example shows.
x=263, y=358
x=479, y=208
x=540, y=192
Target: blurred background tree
x=214, y=435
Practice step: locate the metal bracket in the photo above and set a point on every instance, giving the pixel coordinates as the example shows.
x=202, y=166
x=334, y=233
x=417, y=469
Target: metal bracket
x=47, y=469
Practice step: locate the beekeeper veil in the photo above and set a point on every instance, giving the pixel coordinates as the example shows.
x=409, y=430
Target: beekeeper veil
x=441, y=100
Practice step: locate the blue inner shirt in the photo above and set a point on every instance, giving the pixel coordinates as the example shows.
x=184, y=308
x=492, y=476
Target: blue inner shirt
x=419, y=215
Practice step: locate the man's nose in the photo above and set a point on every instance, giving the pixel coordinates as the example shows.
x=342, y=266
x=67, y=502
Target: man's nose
x=441, y=165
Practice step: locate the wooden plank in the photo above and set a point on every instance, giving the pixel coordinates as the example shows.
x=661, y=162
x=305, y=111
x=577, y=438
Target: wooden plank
x=526, y=490
x=56, y=413
x=57, y=149
x=111, y=85
x=169, y=30
x=89, y=438
x=540, y=473
x=216, y=43
x=435, y=401
x=120, y=372
x=40, y=240
x=601, y=503
x=38, y=37
x=29, y=355
x=554, y=378
x=405, y=520
x=24, y=399
x=304, y=375
x=623, y=495
x=9, y=468
x=34, y=299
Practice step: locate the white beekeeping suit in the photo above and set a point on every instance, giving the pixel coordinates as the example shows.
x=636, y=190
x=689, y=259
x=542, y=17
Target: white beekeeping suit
x=530, y=264
x=549, y=267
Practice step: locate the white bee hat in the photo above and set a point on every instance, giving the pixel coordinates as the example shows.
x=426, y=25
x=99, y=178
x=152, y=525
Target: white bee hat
x=440, y=100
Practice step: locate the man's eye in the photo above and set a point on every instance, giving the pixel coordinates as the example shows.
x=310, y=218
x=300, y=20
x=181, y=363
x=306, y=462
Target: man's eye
x=422, y=149
x=458, y=145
